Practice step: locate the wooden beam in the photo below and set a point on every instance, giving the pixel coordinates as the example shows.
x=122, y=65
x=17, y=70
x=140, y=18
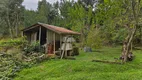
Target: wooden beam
x=22, y=33
x=54, y=42
x=31, y=27
x=47, y=36
x=64, y=51
x=46, y=50
x=39, y=34
x=60, y=43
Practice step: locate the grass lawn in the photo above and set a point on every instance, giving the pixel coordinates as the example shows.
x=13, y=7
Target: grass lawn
x=84, y=69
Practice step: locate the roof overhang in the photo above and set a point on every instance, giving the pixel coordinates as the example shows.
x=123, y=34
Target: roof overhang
x=59, y=30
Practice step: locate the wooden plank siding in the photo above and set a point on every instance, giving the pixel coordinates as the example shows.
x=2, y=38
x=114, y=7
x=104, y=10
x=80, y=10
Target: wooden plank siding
x=47, y=34
x=50, y=35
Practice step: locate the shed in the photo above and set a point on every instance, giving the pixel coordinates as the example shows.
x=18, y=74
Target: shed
x=48, y=35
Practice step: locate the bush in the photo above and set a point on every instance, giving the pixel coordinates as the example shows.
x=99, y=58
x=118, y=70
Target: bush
x=94, y=39
x=18, y=42
x=34, y=47
x=12, y=63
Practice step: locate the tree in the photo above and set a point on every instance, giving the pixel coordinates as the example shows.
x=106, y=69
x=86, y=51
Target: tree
x=124, y=14
x=64, y=12
x=87, y=3
x=30, y=17
x=44, y=9
x=81, y=20
x=11, y=13
x=132, y=25
x=94, y=38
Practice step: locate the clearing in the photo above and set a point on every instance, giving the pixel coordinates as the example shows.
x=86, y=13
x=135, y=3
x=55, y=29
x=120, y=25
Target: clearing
x=84, y=69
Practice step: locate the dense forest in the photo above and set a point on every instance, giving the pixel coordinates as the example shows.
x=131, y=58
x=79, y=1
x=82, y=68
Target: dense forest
x=101, y=22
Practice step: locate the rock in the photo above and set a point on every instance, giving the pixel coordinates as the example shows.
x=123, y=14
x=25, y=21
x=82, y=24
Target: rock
x=87, y=49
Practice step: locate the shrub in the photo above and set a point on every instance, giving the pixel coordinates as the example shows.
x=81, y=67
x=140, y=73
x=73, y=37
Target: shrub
x=33, y=47
x=11, y=64
x=18, y=42
x=94, y=39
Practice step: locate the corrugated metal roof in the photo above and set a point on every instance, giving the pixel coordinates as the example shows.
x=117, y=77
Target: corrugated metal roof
x=56, y=29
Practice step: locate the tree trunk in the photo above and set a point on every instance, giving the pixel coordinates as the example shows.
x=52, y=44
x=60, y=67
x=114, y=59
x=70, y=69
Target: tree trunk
x=140, y=35
x=127, y=44
x=16, y=26
x=9, y=26
x=10, y=31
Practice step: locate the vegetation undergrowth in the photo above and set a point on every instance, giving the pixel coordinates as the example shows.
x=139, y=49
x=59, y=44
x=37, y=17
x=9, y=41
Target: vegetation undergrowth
x=13, y=42
x=84, y=69
x=14, y=57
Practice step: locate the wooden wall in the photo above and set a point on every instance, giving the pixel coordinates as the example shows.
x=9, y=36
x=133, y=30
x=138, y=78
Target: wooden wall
x=50, y=36
x=33, y=36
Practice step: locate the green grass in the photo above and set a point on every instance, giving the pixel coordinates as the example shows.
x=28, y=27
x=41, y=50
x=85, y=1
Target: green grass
x=84, y=69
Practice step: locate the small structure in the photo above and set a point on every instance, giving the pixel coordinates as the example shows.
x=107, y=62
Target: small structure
x=67, y=45
x=48, y=35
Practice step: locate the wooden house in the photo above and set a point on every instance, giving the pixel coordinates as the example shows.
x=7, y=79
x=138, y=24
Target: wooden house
x=49, y=35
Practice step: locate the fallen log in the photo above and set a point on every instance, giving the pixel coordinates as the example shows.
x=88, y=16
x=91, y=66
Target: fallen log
x=111, y=62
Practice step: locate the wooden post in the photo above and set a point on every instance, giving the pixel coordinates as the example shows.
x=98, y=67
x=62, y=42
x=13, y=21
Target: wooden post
x=47, y=37
x=35, y=36
x=54, y=42
x=65, y=53
x=46, y=48
x=39, y=34
x=60, y=43
x=64, y=49
x=22, y=33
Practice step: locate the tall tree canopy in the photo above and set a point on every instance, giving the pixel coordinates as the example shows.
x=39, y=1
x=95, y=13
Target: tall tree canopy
x=12, y=15
x=123, y=15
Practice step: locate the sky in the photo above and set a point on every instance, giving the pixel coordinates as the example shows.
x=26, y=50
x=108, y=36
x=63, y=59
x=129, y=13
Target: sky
x=32, y=4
